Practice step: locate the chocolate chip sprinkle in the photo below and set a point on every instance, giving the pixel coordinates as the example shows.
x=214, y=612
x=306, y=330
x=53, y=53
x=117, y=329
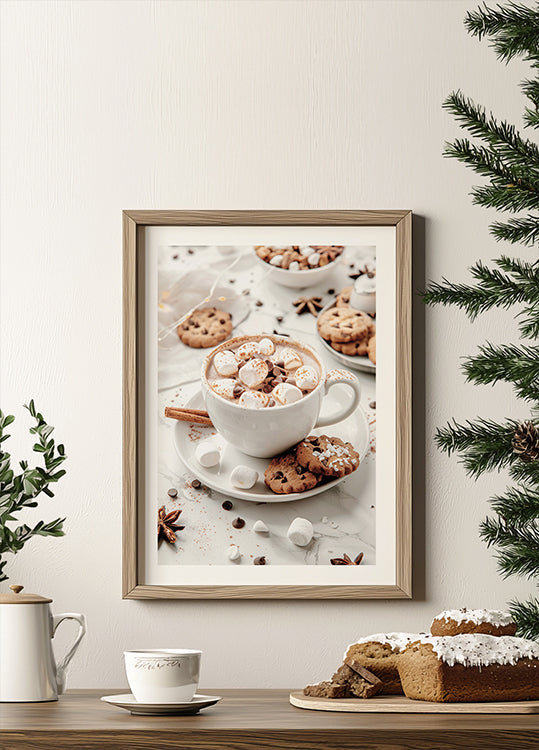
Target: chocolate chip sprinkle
x=259, y=303
x=172, y=492
x=280, y=318
x=372, y=405
x=260, y=560
x=331, y=291
x=238, y=523
x=370, y=275
x=196, y=484
x=227, y=505
x=175, y=256
x=190, y=251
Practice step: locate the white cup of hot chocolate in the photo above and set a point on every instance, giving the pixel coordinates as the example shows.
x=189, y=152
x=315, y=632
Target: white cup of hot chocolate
x=274, y=403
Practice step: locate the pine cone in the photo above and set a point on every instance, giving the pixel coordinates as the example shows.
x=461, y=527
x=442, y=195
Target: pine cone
x=526, y=441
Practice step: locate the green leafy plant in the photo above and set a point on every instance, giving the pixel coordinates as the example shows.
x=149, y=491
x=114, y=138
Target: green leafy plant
x=510, y=163
x=19, y=491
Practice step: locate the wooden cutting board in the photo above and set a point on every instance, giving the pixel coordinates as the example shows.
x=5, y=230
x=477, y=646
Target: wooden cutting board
x=398, y=704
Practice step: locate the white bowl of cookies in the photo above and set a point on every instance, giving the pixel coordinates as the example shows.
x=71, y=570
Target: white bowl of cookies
x=298, y=266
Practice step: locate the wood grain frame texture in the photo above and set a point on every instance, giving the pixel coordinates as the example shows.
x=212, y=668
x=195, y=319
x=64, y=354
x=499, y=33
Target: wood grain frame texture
x=134, y=224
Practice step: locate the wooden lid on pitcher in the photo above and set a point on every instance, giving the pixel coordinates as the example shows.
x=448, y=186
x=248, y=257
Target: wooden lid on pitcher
x=16, y=597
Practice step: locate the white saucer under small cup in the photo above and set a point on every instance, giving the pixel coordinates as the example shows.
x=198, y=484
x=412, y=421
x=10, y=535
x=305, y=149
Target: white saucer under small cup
x=138, y=708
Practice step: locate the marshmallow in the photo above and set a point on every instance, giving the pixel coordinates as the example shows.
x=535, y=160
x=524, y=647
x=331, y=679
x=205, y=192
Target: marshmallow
x=247, y=350
x=207, y=453
x=294, y=266
x=300, y=532
x=291, y=358
x=285, y=393
x=243, y=477
x=276, y=260
x=253, y=373
x=233, y=552
x=254, y=399
x=306, y=251
x=314, y=259
x=225, y=363
x=260, y=527
x=266, y=347
x=224, y=387
x=306, y=378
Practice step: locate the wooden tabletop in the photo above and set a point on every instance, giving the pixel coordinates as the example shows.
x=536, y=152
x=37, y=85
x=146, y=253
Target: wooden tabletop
x=251, y=720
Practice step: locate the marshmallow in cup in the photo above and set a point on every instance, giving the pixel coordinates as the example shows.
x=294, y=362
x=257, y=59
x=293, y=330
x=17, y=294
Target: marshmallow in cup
x=264, y=432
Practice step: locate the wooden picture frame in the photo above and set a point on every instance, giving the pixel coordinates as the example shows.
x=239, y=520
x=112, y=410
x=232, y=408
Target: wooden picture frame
x=135, y=225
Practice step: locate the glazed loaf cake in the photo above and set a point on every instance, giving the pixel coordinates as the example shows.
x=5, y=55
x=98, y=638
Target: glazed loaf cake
x=379, y=654
x=470, y=668
x=461, y=621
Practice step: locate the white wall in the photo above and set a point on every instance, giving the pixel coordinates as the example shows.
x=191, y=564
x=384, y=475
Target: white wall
x=121, y=104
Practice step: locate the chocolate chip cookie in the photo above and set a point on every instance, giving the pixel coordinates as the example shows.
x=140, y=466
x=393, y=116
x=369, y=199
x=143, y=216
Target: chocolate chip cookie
x=343, y=298
x=342, y=325
x=353, y=348
x=286, y=475
x=372, y=349
x=328, y=456
x=204, y=328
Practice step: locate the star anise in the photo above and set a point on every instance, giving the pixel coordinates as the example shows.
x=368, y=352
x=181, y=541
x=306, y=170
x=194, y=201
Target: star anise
x=345, y=560
x=310, y=304
x=166, y=524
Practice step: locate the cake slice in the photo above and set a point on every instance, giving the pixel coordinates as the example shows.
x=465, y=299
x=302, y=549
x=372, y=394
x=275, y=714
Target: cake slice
x=470, y=668
x=363, y=685
x=462, y=621
x=328, y=689
x=378, y=654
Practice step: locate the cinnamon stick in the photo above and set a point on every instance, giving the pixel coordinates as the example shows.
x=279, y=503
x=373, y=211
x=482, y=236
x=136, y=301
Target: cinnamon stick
x=197, y=416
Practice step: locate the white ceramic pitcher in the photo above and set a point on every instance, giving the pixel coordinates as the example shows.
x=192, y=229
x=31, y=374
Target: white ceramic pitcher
x=28, y=671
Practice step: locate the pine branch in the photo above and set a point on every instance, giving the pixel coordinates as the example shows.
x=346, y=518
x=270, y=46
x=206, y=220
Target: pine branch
x=501, y=135
x=519, y=553
x=525, y=472
x=483, y=445
x=495, y=290
x=518, y=230
x=526, y=615
x=510, y=363
x=531, y=118
x=522, y=270
x=505, y=198
x=529, y=322
x=487, y=162
x=515, y=28
x=530, y=89
x=518, y=507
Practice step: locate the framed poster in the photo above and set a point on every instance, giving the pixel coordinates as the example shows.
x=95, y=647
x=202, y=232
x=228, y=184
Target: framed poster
x=267, y=404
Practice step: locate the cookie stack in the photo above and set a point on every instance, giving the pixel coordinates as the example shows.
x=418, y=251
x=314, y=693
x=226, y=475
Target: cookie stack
x=316, y=459
x=348, y=331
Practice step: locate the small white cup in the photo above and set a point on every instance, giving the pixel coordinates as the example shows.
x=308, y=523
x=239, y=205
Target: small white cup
x=363, y=295
x=270, y=431
x=165, y=675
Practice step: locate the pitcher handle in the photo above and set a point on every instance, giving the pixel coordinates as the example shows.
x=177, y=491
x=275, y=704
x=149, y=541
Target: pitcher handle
x=62, y=664
x=341, y=376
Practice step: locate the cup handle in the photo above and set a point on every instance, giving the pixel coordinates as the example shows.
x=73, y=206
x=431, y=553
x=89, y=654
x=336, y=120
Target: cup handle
x=332, y=378
x=61, y=666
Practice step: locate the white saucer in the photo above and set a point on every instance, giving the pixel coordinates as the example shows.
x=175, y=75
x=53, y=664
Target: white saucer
x=187, y=436
x=356, y=363
x=127, y=701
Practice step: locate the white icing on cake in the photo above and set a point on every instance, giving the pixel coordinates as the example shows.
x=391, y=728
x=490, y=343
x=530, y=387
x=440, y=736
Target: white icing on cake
x=477, y=616
x=397, y=641
x=478, y=650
